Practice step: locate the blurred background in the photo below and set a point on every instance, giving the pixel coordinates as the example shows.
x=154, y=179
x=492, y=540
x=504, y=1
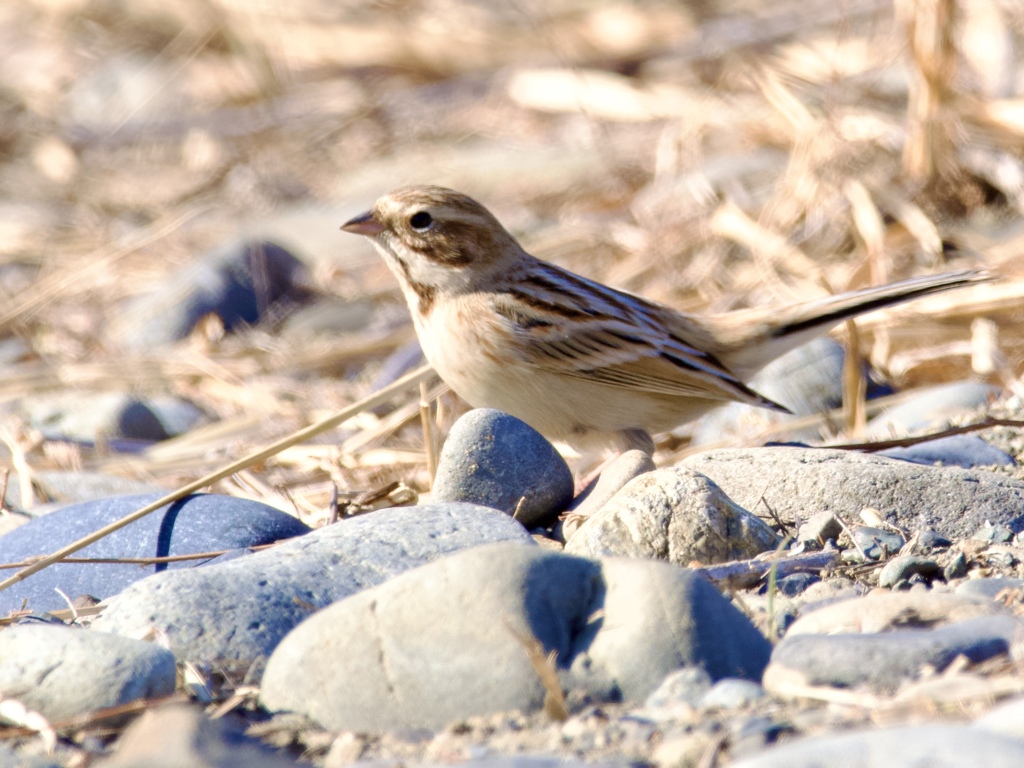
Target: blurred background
x=173, y=175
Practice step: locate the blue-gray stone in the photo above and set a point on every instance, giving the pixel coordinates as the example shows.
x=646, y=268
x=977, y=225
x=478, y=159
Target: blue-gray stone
x=239, y=283
x=795, y=583
x=929, y=540
x=887, y=659
x=997, y=534
x=117, y=417
x=198, y=523
x=903, y=568
x=235, y=612
x=956, y=568
x=498, y=461
x=965, y=451
x=876, y=543
x=686, y=686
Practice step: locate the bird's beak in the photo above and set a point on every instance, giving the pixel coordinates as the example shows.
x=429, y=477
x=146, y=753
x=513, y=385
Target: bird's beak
x=364, y=224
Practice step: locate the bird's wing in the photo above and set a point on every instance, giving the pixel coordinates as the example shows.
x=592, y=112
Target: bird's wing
x=561, y=322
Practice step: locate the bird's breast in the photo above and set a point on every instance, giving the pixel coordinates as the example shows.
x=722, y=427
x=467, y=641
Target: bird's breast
x=469, y=347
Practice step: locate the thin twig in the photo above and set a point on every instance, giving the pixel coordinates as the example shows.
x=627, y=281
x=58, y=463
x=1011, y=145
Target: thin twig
x=335, y=512
x=429, y=445
x=903, y=442
x=139, y=560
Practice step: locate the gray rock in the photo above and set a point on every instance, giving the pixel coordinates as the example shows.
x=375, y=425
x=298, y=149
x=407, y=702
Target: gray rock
x=496, y=460
x=877, y=543
x=832, y=590
x=967, y=451
x=956, y=568
x=63, y=672
x=795, y=584
x=732, y=693
x=675, y=515
x=885, y=660
x=936, y=746
x=989, y=587
x=820, y=528
x=614, y=477
x=237, y=611
x=997, y=534
x=180, y=735
x=930, y=408
x=799, y=481
x=685, y=686
x=929, y=541
x=902, y=568
x=450, y=640
x=882, y=611
x=199, y=523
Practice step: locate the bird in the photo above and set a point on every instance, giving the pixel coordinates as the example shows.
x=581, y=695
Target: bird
x=582, y=363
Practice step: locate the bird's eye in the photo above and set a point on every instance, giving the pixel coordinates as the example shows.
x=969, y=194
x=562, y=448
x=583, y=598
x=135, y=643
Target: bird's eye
x=421, y=221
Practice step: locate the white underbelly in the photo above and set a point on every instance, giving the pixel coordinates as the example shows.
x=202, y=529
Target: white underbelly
x=470, y=358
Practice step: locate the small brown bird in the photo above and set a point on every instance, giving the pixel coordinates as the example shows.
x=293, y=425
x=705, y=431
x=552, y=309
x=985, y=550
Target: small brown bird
x=579, y=361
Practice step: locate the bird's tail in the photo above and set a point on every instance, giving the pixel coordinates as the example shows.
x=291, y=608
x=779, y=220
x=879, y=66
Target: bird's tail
x=749, y=346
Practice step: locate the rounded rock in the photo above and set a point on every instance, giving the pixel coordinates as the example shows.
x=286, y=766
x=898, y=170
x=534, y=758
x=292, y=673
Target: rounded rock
x=795, y=481
x=903, y=568
x=235, y=611
x=455, y=638
x=498, y=461
x=885, y=660
x=676, y=515
x=62, y=672
x=195, y=524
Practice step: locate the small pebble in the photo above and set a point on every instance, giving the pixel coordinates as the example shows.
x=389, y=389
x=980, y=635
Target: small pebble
x=684, y=686
x=997, y=534
x=903, y=568
x=877, y=543
x=795, y=584
x=955, y=568
x=928, y=541
x=732, y=693
x=820, y=528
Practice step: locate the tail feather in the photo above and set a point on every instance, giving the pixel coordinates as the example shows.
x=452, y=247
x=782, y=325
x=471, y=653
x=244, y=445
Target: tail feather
x=755, y=344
